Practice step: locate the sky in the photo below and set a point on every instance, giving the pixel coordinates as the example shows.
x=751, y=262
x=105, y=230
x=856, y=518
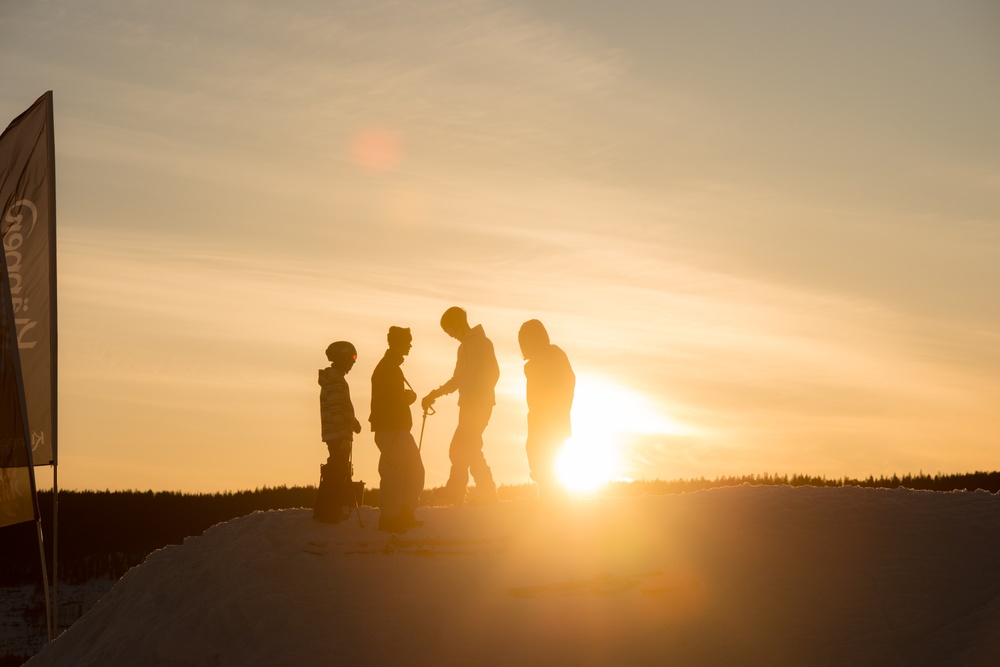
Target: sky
x=767, y=235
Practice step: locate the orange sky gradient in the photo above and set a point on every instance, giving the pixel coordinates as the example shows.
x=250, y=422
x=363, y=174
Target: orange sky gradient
x=768, y=238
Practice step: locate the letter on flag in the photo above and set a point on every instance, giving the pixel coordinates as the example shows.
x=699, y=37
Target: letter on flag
x=27, y=225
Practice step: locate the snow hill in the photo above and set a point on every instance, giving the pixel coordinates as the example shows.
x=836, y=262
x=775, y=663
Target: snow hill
x=734, y=576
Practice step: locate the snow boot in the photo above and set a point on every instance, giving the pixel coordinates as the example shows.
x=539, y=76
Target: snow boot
x=391, y=524
x=329, y=497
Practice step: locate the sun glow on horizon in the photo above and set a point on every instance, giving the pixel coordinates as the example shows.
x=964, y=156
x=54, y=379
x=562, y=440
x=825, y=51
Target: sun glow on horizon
x=605, y=416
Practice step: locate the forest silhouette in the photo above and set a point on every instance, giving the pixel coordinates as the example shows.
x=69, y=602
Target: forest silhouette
x=102, y=534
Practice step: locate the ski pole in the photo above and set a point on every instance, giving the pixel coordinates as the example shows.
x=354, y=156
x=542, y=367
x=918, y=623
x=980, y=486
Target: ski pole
x=354, y=496
x=423, y=423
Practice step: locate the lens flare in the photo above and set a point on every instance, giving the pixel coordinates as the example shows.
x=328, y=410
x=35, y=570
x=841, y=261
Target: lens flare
x=377, y=150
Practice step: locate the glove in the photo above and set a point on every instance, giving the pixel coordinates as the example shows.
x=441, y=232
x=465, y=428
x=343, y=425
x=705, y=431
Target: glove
x=357, y=426
x=428, y=401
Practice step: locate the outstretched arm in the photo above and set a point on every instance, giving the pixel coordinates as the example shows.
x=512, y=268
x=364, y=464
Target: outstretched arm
x=447, y=388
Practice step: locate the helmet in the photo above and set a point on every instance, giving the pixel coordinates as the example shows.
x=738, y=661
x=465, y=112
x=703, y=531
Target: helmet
x=341, y=351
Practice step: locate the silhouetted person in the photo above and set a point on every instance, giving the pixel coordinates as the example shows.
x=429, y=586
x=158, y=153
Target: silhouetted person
x=550, y=386
x=399, y=465
x=475, y=377
x=336, y=494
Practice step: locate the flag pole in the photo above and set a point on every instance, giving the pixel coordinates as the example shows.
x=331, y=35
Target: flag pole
x=55, y=552
x=38, y=527
x=54, y=356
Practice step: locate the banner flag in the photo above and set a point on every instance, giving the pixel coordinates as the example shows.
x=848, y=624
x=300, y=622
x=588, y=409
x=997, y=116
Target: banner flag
x=15, y=496
x=27, y=226
x=15, y=483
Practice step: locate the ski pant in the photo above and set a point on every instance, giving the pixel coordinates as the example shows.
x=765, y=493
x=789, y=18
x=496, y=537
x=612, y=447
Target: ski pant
x=466, y=451
x=401, y=472
x=335, y=494
x=340, y=470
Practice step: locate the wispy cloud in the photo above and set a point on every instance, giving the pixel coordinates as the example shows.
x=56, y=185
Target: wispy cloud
x=712, y=226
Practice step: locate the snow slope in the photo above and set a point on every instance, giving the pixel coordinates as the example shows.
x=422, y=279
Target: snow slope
x=734, y=576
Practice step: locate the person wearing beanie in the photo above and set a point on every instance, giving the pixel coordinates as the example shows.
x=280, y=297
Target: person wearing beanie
x=400, y=469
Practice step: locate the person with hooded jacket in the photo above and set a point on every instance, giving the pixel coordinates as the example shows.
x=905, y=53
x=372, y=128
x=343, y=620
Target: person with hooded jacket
x=335, y=497
x=550, y=384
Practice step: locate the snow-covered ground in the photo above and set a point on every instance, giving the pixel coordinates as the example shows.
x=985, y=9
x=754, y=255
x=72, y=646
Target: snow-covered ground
x=734, y=576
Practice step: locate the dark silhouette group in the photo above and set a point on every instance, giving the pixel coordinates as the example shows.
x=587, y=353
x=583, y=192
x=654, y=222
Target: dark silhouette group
x=550, y=387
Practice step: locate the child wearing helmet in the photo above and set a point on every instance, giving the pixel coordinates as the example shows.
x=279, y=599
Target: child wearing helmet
x=338, y=428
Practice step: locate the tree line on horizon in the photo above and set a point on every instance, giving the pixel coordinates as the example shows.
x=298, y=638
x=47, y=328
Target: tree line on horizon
x=102, y=534
x=974, y=481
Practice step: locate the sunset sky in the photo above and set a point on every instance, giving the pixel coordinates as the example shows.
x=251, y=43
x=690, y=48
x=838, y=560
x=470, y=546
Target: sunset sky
x=766, y=234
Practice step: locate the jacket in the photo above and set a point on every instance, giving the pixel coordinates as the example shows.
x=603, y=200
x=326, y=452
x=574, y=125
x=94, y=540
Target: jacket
x=551, y=384
x=390, y=399
x=335, y=407
x=476, y=370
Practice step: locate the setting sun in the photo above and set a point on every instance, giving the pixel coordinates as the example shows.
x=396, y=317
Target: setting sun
x=605, y=416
